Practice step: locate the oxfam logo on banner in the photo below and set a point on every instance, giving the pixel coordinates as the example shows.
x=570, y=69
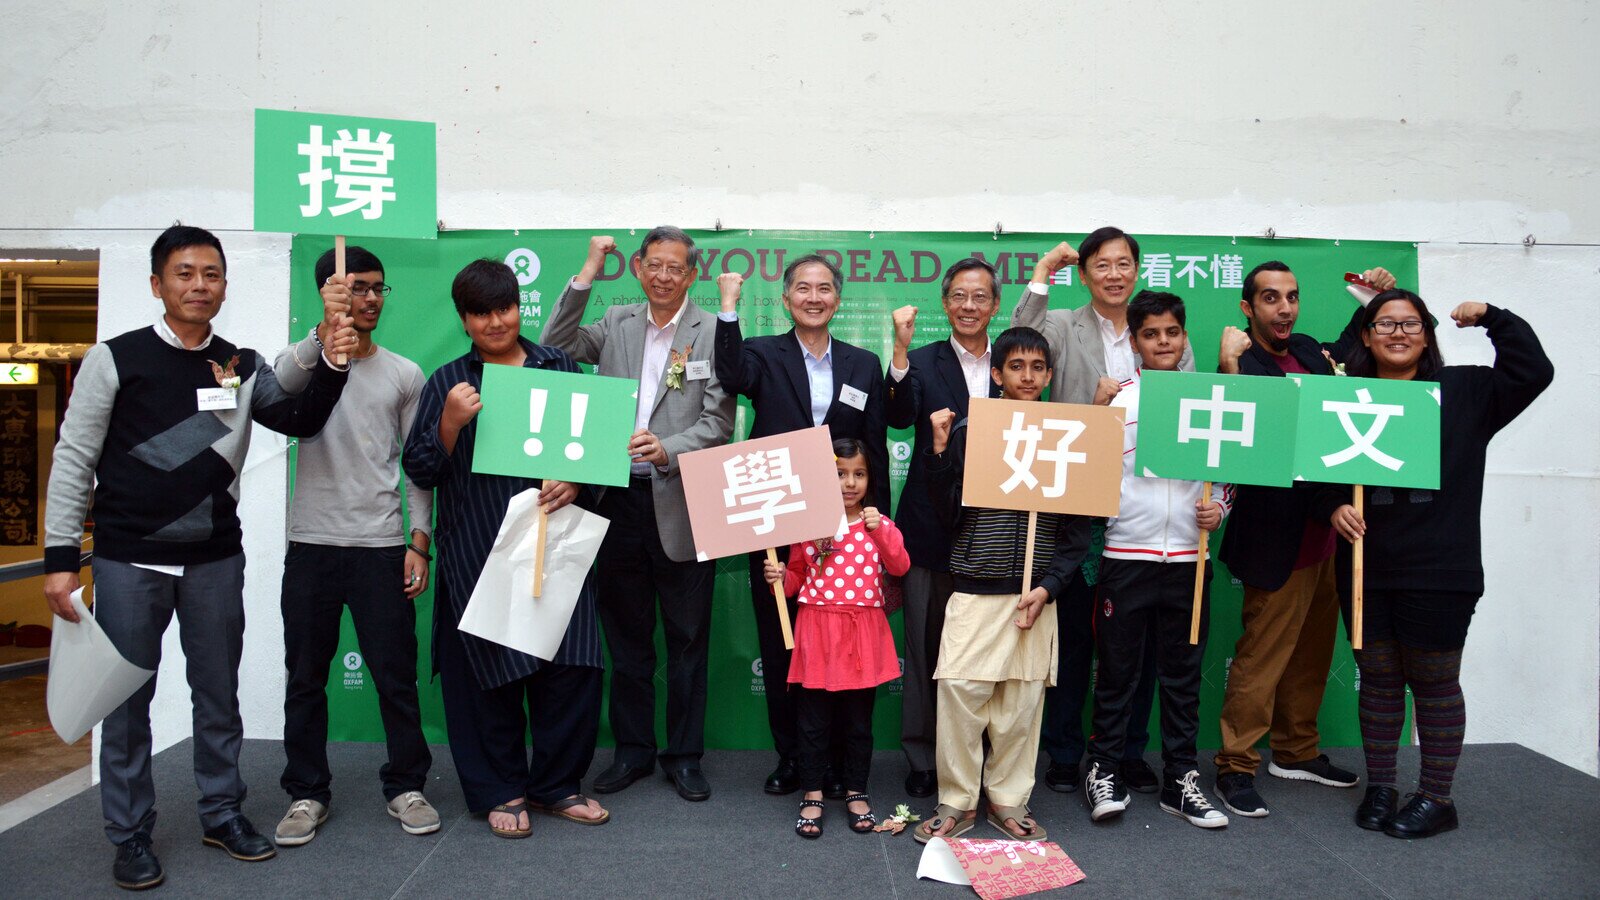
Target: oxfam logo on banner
x=755, y=667
x=901, y=450
x=352, y=661
x=524, y=264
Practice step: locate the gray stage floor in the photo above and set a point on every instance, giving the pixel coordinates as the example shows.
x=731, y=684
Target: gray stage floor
x=740, y=842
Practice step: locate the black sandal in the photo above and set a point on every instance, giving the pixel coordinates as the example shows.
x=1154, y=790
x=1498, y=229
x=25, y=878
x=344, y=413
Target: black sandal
x=860, y=823
x=802, y=823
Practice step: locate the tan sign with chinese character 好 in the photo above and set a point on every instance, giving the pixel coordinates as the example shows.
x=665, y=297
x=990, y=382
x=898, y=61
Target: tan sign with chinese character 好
x=770, y=492
x=1045, y=457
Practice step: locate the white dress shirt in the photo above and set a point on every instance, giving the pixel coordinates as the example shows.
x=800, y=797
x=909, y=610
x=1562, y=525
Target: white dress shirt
x=653, y=368
x=974, y=369
x=819, y=371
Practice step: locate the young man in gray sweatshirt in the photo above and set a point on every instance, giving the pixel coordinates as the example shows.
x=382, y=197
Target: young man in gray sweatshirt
x=348, y=547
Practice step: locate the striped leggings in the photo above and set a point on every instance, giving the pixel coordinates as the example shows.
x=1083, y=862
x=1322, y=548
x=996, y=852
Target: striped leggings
x=1434, y=676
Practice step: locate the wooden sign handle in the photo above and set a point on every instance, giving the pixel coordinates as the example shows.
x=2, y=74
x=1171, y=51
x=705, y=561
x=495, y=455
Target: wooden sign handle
x=538, y=553
x=783, y=604
x=1027, y=553
x=1357, y=567
x=1199, y=572
x=340, y=358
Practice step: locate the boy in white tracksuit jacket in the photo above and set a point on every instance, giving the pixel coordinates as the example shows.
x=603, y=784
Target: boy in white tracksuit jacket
x=1146, y=596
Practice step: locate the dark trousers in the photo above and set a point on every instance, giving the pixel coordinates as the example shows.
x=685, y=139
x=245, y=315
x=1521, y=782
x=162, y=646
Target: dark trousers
x=1145, y=611
x=634, y=575
x=774, y=657
x=1062, y=735
x=318, y=582
x=489, y=728
x=926, y=593
x=134, y=606
x=834, y=725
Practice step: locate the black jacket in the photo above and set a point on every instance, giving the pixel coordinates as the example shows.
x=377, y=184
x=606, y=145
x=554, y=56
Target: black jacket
x=934, y=382
x=770, y=371
x=1424, y=540
x=1262, y=537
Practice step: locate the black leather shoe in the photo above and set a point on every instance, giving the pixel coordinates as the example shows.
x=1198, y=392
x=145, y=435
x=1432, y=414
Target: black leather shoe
x=691, y=783
x=136, y=867
x=241, y=840
x=1422, y=817
x=1377, y=808
x=785, y=779
x=619, y=775
x=1138, y=776
x=833, y=786
x=922, y=782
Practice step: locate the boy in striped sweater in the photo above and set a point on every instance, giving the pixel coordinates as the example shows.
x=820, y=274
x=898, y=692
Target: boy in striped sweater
x=1146, y=596
x=997, y=652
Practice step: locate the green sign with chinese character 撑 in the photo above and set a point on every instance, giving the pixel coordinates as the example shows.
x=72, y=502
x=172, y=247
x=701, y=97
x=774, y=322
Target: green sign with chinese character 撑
x=1225, y=428
x=325, y=174
x=560, y=425
x=1373, y=431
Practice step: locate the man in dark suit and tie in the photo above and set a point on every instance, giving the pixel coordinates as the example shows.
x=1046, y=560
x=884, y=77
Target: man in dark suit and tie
x=799, y=379
x=942, y=375
x=648, y=553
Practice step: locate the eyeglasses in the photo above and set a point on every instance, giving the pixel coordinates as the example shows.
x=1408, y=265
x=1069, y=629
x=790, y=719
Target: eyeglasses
x=1122, y=267
x=1387, y=326
x=655, y=267
x=961, y=298
x=362, y=289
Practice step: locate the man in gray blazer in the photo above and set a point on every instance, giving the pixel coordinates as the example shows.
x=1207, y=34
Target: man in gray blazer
x=648, y=553
x=1092, y=357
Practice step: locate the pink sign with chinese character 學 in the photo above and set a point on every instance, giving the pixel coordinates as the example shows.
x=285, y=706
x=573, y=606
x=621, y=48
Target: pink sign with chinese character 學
x=770, y=492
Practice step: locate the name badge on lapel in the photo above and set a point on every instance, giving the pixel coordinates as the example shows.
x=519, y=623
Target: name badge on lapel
x=852, y=397
x=697, y=369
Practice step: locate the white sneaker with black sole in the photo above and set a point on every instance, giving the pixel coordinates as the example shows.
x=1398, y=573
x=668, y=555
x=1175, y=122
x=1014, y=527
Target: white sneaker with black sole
x=1104, y=793
x=1319, y=770
x=1182, y=797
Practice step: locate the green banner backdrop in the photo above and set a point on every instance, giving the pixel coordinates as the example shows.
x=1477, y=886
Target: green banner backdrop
x=882, y=271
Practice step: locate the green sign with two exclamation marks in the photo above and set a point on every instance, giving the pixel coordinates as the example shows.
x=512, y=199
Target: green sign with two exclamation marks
x=559, y=425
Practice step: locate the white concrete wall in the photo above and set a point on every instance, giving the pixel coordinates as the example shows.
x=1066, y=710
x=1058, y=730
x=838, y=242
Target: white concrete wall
x=1461, y=126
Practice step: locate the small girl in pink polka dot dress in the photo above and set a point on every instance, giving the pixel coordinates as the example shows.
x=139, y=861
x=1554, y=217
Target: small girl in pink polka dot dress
x=843, y=648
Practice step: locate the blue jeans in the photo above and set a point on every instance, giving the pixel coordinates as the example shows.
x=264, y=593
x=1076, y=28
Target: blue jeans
x=134, y=607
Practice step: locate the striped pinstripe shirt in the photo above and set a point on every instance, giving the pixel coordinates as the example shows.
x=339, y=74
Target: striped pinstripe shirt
x=470, y=508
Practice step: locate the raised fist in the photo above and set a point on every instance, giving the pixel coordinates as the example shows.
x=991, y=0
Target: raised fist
x=941, y=421
x=905, y=326
x=728, y=286
x=1059, y=257
x=460, y=406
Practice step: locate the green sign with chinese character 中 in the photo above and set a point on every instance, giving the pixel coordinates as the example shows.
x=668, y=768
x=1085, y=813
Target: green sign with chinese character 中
x=1373, y=431
x=324, y=174
x=560, y=425
x=1224, y=428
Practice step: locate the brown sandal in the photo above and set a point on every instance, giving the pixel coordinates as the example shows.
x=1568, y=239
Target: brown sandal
x=560, y=807
x=925, y=832
x=515, y=811
x=1031, y=829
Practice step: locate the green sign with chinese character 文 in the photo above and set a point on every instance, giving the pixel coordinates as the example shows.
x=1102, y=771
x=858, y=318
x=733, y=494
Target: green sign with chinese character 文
x=560, y=425
x=1225, y=428
x=326, y=174
x=1373, y=431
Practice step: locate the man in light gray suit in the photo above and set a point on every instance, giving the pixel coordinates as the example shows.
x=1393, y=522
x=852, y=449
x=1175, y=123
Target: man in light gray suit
x=1092, y=358
x=648, y=553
